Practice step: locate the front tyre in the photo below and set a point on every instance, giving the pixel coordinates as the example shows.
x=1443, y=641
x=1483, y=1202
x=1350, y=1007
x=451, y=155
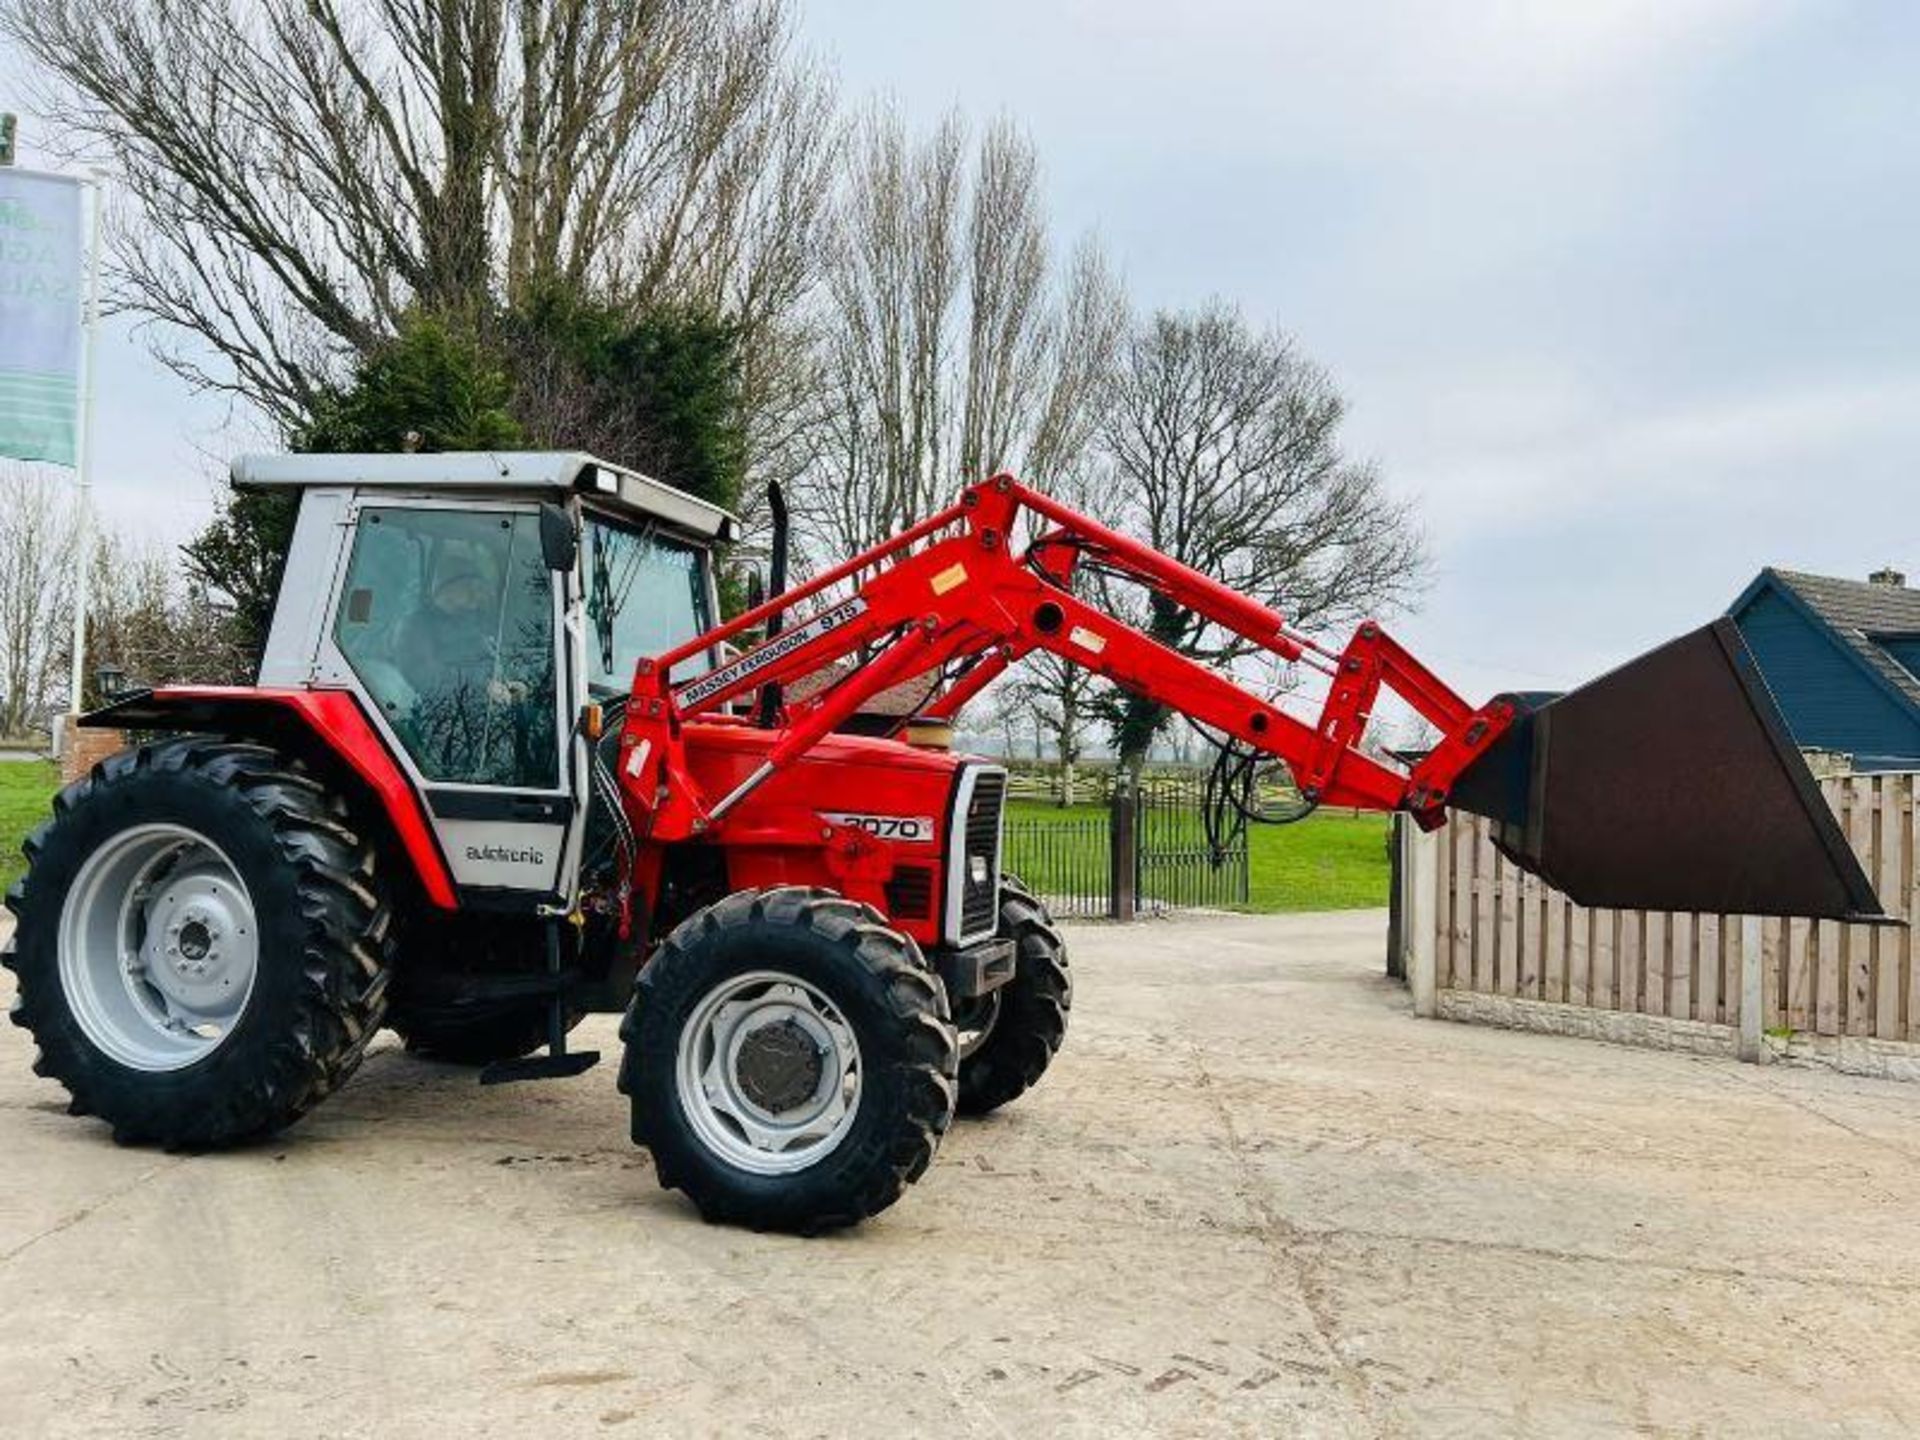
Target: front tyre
x=201, y=946
x=1009, y=1036
x=790, y=1061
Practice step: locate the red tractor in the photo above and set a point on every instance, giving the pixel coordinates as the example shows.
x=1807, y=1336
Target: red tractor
x=502, y=769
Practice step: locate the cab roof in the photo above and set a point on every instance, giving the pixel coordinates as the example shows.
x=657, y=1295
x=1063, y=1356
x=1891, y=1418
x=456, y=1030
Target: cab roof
x=470, y=471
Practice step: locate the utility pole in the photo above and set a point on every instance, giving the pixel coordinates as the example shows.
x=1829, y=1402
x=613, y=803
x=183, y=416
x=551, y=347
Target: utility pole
x=83, y=447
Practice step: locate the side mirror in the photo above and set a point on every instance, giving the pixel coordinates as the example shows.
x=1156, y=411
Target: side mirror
x=559, y=541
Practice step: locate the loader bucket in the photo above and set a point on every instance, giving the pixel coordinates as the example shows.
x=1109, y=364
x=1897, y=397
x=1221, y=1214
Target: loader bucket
x=1670, y=783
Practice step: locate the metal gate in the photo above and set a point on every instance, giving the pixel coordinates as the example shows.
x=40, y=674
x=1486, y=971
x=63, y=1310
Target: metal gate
x=1174, y=867
x=1066, y=858
x=1144, y=851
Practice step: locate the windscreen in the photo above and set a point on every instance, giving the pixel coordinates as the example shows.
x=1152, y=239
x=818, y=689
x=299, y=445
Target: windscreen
x=646, y=593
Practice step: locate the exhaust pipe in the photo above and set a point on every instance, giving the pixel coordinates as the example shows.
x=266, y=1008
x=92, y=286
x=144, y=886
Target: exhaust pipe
x=1670, y=783
x=768, y=705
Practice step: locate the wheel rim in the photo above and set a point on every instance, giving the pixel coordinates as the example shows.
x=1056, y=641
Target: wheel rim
x=768, y=1073
x=158, y=947
x=973, y=1022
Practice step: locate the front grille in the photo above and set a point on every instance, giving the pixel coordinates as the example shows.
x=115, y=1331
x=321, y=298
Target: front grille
x=910, y=893
x=980, y=841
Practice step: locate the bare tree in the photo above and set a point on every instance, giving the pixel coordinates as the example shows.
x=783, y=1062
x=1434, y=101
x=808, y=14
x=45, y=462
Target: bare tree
x=1057, y=698
x=1223, y=447
x=1066, y=699
x=1063, y=696
x=307, y=171
x=141, y=615
x=154, y=626
x=38, y=540
x=953, y=344
x=997, y=714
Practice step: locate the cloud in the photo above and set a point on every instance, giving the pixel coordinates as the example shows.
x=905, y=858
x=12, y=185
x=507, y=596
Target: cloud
x=1503, y=455
x=1624, y=290
x=1367, y=66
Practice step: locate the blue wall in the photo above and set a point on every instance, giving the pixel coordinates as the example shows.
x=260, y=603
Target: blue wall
x=1906, y=650
x=1830, y=702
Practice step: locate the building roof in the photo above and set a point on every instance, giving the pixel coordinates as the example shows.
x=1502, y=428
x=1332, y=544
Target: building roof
x=1861, y=614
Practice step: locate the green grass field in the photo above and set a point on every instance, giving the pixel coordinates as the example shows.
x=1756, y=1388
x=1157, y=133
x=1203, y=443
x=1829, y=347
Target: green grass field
x=1333, y=860
x=1329, y=861
x=26, y=788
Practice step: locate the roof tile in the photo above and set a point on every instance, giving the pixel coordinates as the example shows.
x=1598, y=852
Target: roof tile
x=1858, y=611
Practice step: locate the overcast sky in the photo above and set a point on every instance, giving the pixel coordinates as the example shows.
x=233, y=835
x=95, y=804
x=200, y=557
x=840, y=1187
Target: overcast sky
x=1627, y=295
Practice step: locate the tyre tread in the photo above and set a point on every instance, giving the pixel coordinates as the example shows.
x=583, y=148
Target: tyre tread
x=1032, y=1024
x=912, y=993
x=343, y=969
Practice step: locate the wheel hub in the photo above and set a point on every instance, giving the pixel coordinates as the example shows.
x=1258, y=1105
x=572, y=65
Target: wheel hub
x=779, y=1067
x=768, y=1072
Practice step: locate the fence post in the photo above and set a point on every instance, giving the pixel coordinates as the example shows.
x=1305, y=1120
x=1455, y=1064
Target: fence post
x=1752, y=990
x=1123, y=850
x=1397, y=896
x=1420, y=922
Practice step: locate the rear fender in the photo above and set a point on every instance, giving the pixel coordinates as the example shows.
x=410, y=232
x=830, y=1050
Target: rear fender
x=326, y=730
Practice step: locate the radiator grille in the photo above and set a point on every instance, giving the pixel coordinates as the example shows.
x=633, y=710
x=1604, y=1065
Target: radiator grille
x=910, y=893
x=980, y=832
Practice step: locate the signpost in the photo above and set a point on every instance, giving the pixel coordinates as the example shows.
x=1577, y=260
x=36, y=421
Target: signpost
x=49, y=319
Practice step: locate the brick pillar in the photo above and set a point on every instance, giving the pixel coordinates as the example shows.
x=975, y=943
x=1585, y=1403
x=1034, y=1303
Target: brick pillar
x=86, y=748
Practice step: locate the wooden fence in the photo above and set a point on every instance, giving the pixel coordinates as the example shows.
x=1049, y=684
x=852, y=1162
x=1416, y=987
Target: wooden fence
x=1475, y=924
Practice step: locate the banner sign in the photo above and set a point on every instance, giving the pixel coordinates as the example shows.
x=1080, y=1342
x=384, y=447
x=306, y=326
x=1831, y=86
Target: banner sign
x=42, y=249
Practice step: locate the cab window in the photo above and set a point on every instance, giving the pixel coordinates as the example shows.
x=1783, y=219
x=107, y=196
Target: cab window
x=447, y=618
x=646, y=593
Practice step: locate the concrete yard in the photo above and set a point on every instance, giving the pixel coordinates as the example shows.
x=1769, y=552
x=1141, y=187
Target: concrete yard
x=1256, y=1197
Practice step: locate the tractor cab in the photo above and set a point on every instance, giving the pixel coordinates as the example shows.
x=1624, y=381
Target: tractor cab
x=476, y=604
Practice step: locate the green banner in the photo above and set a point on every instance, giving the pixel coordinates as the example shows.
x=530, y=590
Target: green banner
x=41, y=250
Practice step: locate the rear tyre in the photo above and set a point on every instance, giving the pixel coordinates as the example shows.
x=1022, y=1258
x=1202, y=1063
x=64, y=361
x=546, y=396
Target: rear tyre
x=1010, y=1035
x=790, y=1060
x=202, y=943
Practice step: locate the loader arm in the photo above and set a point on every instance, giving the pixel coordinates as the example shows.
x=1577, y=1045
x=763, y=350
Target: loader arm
x=1670, y=783
x=954, y=590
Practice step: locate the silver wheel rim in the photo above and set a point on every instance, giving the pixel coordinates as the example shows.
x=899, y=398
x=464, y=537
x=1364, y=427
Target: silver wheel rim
x=158, y=948
x=743, y=1029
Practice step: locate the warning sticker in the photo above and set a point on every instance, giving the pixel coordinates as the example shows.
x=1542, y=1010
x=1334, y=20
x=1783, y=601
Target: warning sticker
x=951, y=578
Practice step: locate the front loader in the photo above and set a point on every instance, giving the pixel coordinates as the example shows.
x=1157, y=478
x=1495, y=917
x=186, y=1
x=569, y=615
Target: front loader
x=502, y=769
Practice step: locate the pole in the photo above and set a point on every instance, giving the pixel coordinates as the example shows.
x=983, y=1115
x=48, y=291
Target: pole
x=1396, y=895
x=1123, y=841
x=1752, y=990
x=1422, y=863
x=83, y=449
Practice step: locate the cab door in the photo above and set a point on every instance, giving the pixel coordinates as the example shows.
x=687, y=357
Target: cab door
x=448, y=623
